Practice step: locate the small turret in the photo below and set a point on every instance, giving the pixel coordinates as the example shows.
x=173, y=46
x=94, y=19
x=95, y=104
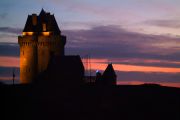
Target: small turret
x=109, y=76
x=98, y=77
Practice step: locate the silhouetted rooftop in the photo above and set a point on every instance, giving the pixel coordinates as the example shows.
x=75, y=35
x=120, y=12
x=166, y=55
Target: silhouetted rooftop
x=35, y=23
x=64, y=70
x=109, y=71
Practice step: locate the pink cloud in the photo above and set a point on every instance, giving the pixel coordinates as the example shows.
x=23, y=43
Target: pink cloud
x=9, y=61
x=101, y=64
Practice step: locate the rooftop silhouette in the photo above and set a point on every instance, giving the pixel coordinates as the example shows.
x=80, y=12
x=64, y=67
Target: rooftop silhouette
x=42, y=22
x=42, y=48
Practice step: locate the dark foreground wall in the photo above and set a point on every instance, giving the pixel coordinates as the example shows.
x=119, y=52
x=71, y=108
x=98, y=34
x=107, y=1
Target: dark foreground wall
x=43, y=102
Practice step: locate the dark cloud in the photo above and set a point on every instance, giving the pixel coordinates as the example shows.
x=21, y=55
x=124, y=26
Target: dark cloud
x=9, y=49
x=8, y=71
x=115, y=42
x=164, y=23
x=156, y=64
x=110, y=53
x=10, y=30
x=6, y=75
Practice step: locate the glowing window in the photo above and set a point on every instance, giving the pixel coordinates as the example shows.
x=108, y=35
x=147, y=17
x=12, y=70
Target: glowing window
x=44, y=26
x=46, y=33
x=27, y=33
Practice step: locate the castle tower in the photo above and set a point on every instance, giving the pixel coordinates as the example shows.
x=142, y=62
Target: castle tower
x=41, y=37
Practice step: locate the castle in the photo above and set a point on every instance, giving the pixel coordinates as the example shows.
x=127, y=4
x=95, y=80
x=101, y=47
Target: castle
x=42, y=51
x=40, y=37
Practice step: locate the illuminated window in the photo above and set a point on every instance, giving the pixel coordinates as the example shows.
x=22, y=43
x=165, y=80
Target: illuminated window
x=44, y=26
x=27, y=33
x=46, y=33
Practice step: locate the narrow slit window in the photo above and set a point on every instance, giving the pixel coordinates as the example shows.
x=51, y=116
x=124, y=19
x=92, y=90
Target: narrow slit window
x=44, y=26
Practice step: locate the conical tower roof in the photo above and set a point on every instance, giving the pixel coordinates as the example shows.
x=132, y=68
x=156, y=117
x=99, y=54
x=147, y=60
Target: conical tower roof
x=42, y=13
x=109, y=71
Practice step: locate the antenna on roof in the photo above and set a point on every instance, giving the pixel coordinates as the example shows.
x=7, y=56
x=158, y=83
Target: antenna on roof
x=87, y=64
x=90, y=67
x=109, y=61
x=13, y=76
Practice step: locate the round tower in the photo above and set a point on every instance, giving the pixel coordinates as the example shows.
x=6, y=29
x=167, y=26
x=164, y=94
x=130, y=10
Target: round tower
x=28, y=58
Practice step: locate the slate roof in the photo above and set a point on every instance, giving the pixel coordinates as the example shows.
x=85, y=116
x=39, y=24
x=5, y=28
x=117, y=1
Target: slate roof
x=43, y=17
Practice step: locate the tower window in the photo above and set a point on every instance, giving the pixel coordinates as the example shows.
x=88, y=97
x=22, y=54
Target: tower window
x=44, y=26
x=34, y=19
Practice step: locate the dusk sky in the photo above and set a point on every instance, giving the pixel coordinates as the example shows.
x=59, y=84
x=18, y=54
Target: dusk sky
x=140, y=37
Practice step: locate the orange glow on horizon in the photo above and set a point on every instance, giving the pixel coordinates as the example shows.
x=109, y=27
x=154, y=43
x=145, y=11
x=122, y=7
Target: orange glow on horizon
x=9, y=61
x=101, y=64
